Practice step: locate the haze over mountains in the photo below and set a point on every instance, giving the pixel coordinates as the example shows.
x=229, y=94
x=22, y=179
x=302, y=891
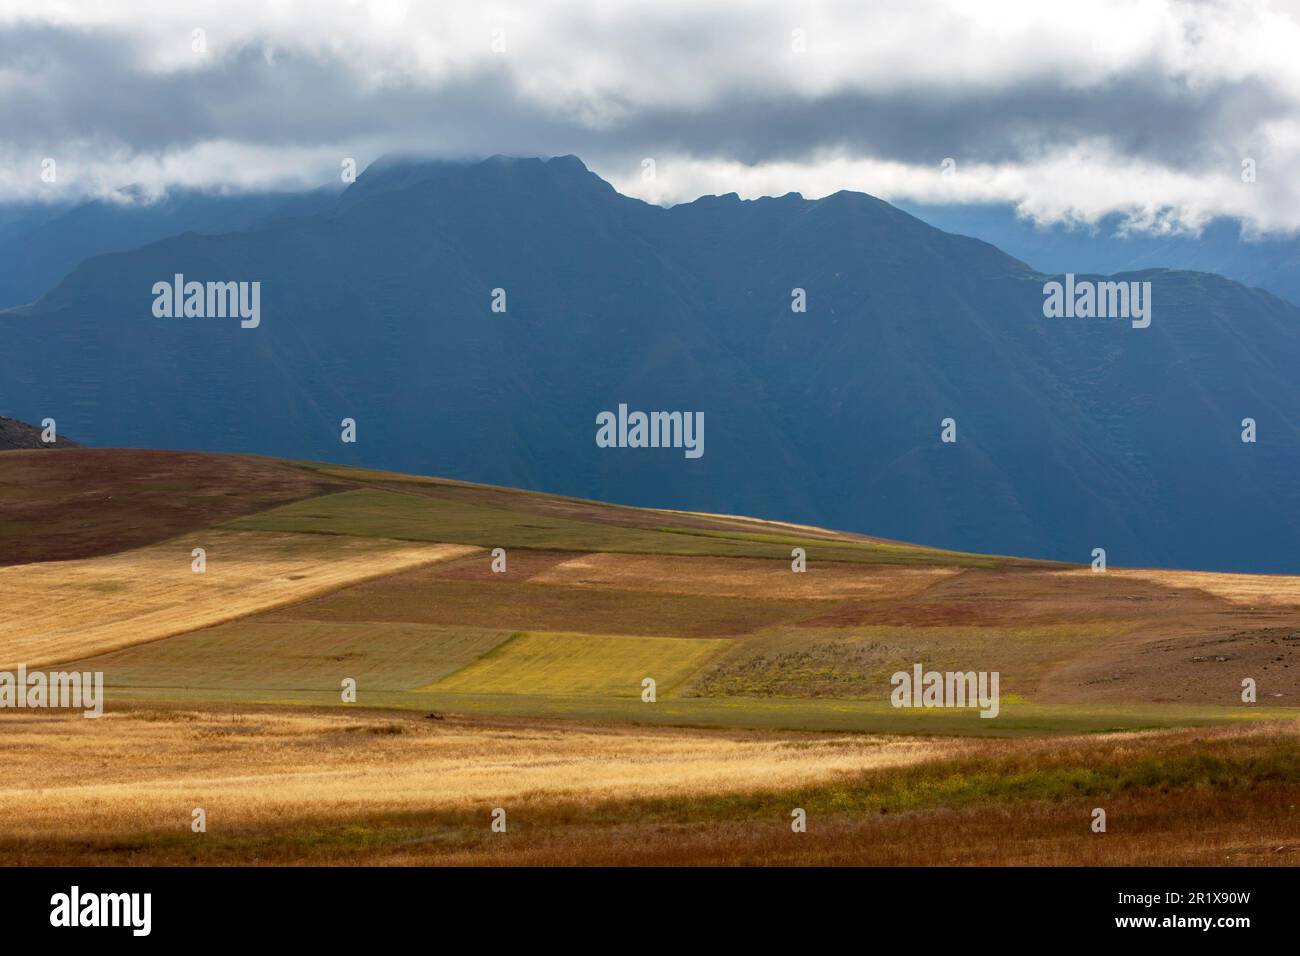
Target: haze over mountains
x=1072, y=434
x=1271, y=263
x=41, y=243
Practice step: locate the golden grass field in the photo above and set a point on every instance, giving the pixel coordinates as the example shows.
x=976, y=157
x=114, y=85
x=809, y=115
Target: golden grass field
x=60, y=611
x=292, y=785
x=1246, y=589
x=522, y=689
x=154, y=766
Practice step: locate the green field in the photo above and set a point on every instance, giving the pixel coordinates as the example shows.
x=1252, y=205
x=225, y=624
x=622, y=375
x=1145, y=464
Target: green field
x=821, y=715
x=588, y=665
x=312, y=656
x=377, y=513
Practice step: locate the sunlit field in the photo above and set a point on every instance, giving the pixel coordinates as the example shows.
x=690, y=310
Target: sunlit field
x=292, y=785
x=359, y=676
x=58, y=611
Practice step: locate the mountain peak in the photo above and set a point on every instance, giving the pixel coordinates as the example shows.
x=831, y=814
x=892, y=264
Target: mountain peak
x=399, y=171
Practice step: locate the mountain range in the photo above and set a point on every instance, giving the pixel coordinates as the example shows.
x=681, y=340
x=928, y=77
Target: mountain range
x=40, y=243
x=377, y=305
x=1223, y=246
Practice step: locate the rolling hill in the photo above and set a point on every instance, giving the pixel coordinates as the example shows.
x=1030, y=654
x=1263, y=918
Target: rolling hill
x=316, y=572
x=497, y=644
x=1071, y=434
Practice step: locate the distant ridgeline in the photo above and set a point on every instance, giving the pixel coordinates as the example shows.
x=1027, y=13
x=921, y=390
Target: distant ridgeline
x=859, y=369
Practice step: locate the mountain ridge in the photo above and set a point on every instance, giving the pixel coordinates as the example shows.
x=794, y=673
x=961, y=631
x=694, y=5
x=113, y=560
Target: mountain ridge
x=379, y=309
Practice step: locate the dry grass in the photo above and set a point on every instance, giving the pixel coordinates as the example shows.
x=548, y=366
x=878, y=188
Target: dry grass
x=1253, y=590
x=1242, y=828
x=140, y=771
x=368, y=787
x=59, y=611
x=740, y=577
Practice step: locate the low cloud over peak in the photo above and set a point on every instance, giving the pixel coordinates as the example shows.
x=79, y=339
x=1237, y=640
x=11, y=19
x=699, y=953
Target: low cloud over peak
x=1168, y=113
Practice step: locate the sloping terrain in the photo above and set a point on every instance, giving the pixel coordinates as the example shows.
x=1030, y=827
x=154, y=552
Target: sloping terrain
x=15, y=434
x=1223, y=246
x=629, y=686
x=62, y=610
x=47, y=241
x=475, y=599
x=1072, y=434
x=87, y=502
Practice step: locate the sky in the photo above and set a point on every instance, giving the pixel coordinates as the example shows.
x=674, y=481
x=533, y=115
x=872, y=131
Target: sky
x=1167, y=113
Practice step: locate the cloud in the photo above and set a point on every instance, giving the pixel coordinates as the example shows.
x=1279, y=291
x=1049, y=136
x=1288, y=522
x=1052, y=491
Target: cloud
x=1145, y=108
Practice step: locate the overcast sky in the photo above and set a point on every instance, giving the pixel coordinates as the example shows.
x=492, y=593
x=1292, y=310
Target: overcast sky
x=1144, y=107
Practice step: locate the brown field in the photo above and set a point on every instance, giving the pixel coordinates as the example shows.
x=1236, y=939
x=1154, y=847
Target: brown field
x=1185, y=661
x=87, y=502
x=59, y=611
x=430, y=596
x=738, y=577
x=1028, y=597
x=371, y=787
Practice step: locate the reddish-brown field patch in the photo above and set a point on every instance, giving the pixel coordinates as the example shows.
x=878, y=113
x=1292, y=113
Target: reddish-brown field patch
x=1023, y=597
x=426, y=596
x=1187, y=661
x=740, y=577
x=85, y=502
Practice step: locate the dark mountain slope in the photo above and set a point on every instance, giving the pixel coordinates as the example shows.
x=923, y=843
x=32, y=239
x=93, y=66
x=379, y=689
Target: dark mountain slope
x=15, y=434
x=1072, y=434
x=39, y=245
x=1222, y=247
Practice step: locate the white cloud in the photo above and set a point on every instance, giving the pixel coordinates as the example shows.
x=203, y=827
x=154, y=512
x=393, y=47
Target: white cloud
x=1143, y=107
